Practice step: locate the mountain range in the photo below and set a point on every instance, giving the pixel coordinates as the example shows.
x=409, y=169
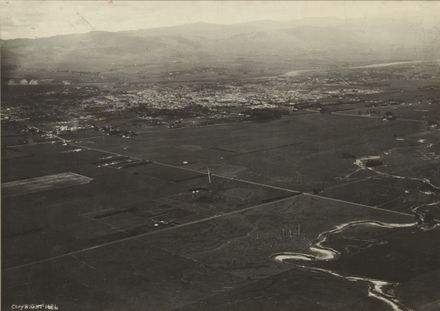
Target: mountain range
x=254, y=47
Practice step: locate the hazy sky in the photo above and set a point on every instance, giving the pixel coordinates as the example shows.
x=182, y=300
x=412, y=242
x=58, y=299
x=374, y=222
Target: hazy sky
x=29, y=19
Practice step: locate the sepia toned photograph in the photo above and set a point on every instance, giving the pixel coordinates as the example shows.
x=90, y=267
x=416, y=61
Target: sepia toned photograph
x=220, y=155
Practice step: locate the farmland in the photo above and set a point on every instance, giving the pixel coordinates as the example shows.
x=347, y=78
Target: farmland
x=180, y=214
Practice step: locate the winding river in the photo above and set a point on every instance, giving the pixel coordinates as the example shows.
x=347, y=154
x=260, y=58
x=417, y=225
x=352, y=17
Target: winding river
x=320, y=251
x=381, y=290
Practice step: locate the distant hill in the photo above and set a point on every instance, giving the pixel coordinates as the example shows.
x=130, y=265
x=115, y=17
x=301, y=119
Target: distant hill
x=256, y=47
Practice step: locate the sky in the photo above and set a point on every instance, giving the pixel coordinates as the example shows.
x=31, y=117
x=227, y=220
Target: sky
x=31, y=19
